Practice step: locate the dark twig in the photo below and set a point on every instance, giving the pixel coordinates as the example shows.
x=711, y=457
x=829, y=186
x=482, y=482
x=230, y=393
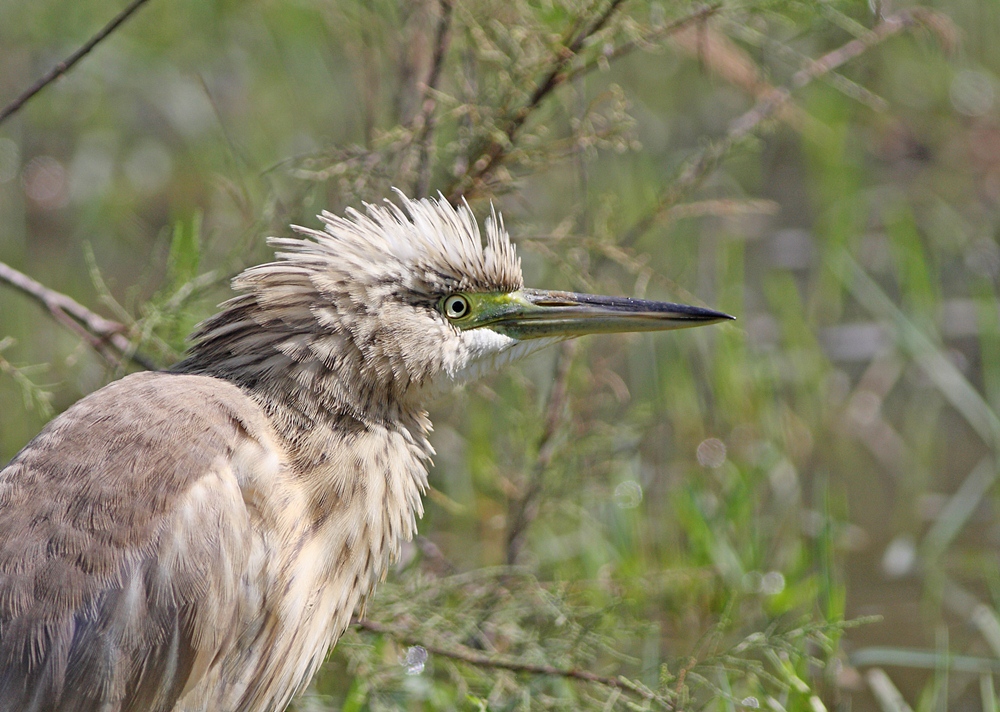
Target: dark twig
x=474, y=657
x=103, y=335
x=524, y=508
x=494, y=154
x=698, y=167
x=67, y=64
x=427, y=120
x=655, y=35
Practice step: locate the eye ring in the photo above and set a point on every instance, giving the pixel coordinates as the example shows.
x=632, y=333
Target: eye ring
x=456, y=306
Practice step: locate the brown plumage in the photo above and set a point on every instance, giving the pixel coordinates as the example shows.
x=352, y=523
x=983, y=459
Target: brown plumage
x=196, y=540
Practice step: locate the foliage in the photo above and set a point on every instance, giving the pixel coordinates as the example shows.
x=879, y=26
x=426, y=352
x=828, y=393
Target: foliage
x=697, y=514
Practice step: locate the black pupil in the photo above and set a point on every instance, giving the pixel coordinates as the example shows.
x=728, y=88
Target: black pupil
x=457, y=306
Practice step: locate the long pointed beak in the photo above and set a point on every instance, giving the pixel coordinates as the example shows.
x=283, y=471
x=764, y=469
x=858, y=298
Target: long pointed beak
x=536, y=313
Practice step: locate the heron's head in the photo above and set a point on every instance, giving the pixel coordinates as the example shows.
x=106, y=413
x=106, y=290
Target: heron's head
x=407, y=298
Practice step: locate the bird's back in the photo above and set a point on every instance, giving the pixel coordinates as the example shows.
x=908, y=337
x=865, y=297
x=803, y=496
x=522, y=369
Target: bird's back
x=130, y=559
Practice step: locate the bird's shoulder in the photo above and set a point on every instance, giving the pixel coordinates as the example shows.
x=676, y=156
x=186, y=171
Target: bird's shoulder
x=119, y=458
x=123, y=507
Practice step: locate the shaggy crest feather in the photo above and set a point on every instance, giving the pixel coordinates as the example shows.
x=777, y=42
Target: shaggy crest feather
x=423, y=244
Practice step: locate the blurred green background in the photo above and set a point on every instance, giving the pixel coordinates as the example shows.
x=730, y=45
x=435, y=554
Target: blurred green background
x=720, y=513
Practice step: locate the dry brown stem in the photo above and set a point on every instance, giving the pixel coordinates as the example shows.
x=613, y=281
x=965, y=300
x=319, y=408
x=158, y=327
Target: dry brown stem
x=524, y=508
x=426, y=120
x=103, y=335
x=474, y=657
x=699, y=166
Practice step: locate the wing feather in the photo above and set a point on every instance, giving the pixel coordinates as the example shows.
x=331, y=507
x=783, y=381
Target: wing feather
x=123, y=546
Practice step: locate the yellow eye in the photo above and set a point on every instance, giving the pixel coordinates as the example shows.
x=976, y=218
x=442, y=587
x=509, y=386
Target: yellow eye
x=456, y=306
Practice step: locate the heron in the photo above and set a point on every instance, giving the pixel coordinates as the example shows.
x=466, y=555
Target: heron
x=197, y=539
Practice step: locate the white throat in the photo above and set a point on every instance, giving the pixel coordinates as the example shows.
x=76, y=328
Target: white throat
x=482, y=352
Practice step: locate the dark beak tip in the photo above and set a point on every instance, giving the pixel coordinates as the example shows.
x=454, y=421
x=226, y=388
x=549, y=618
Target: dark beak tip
x=703, y=314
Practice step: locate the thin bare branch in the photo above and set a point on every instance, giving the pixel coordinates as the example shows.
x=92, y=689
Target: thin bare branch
x=103, y=335
x=433, y=556
x=64, y=66
x=700, y=165
x=524, y=508
x=845, y=86
x=474, y=657
x=892, y=25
